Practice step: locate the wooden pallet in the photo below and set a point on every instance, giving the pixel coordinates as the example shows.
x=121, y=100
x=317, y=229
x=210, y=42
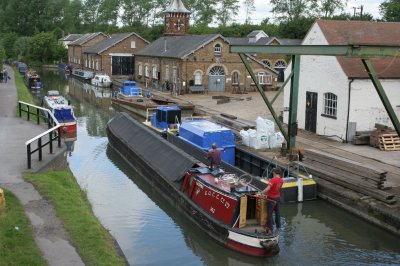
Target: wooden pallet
x=389, y=142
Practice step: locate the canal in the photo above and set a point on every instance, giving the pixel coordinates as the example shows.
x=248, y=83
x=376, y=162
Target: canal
x=152, y=232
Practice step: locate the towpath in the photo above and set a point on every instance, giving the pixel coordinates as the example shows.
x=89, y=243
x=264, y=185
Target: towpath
x=48, y=230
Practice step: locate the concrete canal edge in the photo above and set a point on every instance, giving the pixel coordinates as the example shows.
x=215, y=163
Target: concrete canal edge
x=368, y=209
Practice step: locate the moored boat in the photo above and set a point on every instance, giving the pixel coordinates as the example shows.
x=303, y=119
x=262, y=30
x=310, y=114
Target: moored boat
x=32, y=80
x=223, y=205
x=101, y=80
x=81, y=73
x=129, y=89
x=63, y=112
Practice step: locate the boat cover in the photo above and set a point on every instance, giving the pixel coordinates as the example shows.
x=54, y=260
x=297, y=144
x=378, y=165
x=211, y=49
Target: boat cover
x=163, y=157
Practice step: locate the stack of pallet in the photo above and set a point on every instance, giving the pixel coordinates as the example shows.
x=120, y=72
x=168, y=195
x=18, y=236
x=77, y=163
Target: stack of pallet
x=384, y=138
x=349, y=174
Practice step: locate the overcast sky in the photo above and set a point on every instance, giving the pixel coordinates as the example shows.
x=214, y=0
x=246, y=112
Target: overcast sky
x=263, y=9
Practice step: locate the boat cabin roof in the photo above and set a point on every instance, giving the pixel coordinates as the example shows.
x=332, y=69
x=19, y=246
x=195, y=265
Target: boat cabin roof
x=129, y=83
x=53, y=93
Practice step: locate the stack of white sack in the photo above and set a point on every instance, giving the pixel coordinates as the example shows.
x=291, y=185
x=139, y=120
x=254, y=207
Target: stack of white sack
x=264, y=137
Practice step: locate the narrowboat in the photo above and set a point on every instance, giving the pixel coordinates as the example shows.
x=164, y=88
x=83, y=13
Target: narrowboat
x=101, y=80
x=63, y=112
x=83, y=74
x=225, y=206
x=32, y=80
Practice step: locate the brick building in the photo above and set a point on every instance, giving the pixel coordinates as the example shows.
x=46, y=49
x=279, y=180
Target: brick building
x=188, y=62
x=114, y=55
x=77, y=47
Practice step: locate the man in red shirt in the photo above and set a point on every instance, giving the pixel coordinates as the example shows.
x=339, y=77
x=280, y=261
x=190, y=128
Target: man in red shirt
x=273, y=194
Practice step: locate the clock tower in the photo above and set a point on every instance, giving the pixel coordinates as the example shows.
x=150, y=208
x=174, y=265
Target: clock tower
x=176, y=19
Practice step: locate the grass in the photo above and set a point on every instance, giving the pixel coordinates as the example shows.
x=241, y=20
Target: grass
x=94, y=244
x=17, y=246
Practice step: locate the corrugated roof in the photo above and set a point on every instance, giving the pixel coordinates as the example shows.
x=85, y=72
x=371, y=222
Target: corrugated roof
x=342, y=32
x=176, y=46
x=109, y=42
x=85, y=38
x=176, y=6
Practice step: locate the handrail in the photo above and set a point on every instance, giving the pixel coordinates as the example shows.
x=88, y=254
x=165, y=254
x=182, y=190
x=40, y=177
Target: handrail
x=147, y=113
x=46, y=132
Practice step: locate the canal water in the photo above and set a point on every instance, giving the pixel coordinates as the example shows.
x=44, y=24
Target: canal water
x=152, y=232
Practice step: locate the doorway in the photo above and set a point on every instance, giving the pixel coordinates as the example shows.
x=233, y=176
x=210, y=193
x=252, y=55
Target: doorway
x=311, y=111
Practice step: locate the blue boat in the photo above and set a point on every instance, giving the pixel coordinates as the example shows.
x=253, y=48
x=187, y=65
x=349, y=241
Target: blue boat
x=129, y=89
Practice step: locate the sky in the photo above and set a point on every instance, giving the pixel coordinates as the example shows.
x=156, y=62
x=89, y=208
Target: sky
x=263, y=9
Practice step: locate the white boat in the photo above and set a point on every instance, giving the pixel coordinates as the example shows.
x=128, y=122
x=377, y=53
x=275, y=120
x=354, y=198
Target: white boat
x=63, y=112
x=101, y=80
x=81, y=73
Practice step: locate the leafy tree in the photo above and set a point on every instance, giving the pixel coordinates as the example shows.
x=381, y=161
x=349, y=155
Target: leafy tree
x=42, y=47
x=21, y=48
x=2, y=56
x=227, y=10
x=329, y=7
x=109, y=12
x=8, y=41
x=249, y=4
x=289, y=10
x=204, y=11
x=390, y=10
x=295, y=29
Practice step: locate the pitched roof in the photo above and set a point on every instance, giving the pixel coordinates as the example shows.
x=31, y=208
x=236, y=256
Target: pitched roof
x=109, y=42
x=71, y=37
x=85, y=38
x=368, y=33
x=247, y=41
x=177, y=46
x=176, y=6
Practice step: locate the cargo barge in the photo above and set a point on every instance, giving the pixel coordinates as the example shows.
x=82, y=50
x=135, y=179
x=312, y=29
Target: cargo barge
x=222, y=204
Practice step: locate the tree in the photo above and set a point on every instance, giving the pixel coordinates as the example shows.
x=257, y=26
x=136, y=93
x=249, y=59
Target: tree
x=289, y=10
x=329, y=7
x=226, y=11
x=390, y=10
x=21, y=48
x=249, y=4
x=42, y=47
x=2, y=56
x=8, y=41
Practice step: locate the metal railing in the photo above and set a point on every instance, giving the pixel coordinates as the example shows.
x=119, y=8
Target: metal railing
x=52, y=132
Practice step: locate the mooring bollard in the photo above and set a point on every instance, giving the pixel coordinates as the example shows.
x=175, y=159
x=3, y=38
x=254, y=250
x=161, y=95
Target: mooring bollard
x=2, y=200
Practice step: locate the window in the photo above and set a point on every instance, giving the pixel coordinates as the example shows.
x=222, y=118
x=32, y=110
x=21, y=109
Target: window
x=133, y=44
x=330, y=105
x=86, y=63
x=280, y=66
x=167, y=72
x=140, y=70
x=235, y=78
x=97, y=64
x=217, y=49
x=263, y=79
x=154, y=72
x=175, y=74
x=197, y=78
x=267, y=62
x=146, y=71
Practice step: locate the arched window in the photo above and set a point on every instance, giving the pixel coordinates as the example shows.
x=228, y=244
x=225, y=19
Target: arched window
x=235, y=78
x=267, y=62
x=166, y=72
x=330, y=105
x=280, y=66
x=198, y=79
x=140, y=70
x=146, y=71
x=217, y=49
x=154, y=72
x=217, y=71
